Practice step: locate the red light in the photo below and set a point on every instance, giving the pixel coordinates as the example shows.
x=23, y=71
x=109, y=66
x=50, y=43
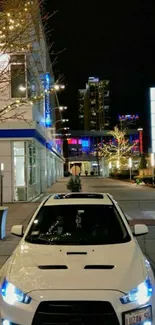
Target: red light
x=141, y=141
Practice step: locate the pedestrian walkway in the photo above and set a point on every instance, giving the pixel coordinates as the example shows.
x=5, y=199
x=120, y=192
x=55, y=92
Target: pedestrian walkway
x=20, y=213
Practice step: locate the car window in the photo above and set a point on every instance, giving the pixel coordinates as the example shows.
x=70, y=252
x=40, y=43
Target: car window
x=78, y=225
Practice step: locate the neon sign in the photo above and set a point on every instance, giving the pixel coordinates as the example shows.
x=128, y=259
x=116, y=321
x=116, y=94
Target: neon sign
x=141, y=141
x=84, y=142
x=47, y=86
x=152, y=104
x=128, y=117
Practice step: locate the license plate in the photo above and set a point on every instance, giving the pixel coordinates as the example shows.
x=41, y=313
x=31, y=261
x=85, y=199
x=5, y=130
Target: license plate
x=138, y=317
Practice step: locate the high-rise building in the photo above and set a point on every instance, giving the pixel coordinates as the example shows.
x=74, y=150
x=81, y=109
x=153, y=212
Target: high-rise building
x=81, y=99
x=130, y=121
x=94, y=105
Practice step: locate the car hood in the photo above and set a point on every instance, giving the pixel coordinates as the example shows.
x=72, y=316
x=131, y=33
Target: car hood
x=111, y=267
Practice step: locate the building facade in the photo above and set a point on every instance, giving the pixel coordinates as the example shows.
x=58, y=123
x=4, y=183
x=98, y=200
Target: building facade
x=81, y=101
x=31, y=154
x=130, y=121
x=94, y=105
x=82, y=150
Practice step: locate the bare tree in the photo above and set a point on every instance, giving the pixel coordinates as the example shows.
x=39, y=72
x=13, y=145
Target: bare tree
x=23, y=28
x=119, y=150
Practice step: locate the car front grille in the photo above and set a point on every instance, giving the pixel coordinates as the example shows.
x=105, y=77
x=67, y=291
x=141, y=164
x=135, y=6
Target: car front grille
x=75, y=313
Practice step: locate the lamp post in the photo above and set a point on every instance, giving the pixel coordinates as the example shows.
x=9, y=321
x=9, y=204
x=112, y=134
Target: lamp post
x=58, y=134
x=152, y=165
x=130, y=167
x=61, y=120
x=61, y=108
x=1, y=182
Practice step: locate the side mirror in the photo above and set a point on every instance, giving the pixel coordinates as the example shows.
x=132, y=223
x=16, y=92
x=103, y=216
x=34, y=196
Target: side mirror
x=17, y=230
x=140, y=230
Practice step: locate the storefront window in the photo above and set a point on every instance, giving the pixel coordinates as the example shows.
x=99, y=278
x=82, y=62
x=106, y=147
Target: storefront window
x=19, y=171
x=18, y=81
x=33, y=170
x=31, y=164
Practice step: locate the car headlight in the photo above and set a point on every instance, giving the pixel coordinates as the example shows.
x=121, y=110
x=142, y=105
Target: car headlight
x=140, y=295
x=11, y=294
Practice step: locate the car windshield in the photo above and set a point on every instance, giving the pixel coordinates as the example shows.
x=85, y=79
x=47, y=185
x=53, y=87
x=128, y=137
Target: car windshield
x=78, y=225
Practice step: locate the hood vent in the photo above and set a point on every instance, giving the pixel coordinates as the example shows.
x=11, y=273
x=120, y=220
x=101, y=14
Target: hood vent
x=52, y=267
x=99, y=267
x=76, y=253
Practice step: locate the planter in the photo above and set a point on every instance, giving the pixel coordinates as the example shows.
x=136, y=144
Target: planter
x=74, y=184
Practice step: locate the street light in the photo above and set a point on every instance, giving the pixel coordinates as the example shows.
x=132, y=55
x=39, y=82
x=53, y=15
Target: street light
x=62, y=120
x=66, y=128
x=130, y=167
x=58, y=87
x=62, y=108
x=152, y=165
x=1, y=182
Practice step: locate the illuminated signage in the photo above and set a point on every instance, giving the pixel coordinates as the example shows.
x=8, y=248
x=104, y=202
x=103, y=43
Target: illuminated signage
x=128, y=117
x=141, y=141
x=93, y=79
x=152, y=104
x=85, y=143
x=47, y=86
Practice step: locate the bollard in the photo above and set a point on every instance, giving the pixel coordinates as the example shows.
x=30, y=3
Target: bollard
x=3, y=216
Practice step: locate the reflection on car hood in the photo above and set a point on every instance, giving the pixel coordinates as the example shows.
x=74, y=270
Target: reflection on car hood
x=32, y=267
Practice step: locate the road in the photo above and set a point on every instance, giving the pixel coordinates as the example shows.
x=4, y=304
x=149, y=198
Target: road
x=137, y=201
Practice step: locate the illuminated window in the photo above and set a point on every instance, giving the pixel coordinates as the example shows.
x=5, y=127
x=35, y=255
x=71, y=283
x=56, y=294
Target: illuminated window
x=18, y=80
x=153, y=107
x=152, y=93
x=153, y=120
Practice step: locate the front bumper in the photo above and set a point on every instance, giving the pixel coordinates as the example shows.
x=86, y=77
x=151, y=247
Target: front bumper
x=22, y=314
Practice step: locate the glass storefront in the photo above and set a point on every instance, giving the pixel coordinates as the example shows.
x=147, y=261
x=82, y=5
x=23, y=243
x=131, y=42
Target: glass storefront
x=27, y=157
x=19, y=163
x=33, y=170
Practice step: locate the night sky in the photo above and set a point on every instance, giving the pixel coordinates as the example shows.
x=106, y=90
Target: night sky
x=110, y=39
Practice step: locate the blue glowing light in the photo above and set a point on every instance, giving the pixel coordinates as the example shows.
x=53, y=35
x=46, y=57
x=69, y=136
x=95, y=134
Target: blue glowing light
x=85, y=143
x=11, y=294
x=47, y=86
x=141, y=294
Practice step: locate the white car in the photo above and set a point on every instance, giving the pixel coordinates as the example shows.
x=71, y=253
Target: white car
x=78, y=263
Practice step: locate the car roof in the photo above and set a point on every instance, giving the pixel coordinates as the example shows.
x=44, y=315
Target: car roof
x=84, y=198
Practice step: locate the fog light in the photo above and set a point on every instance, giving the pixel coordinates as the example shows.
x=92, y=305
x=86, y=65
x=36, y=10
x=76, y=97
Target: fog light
x=147, y=323
x=6, y=322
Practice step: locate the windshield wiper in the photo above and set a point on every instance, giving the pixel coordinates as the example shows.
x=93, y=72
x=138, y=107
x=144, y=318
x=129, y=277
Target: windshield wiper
x=39, y=240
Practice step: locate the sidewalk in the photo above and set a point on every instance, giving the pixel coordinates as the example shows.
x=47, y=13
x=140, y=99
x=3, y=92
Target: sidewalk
x=20, y=213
